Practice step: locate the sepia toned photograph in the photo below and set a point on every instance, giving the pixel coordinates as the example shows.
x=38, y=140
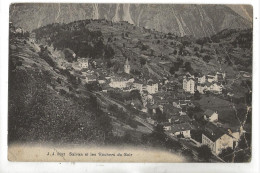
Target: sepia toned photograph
x=130, y=82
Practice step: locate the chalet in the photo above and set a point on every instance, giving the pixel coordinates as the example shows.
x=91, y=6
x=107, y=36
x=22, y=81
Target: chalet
x=211, y=78
x=180, y=130
x=90, y=78
x=138, y=85
x=210, y=115
x=202, y=79
x=167, y=126
x=216, y=138
x=201, y=88
x=101, y=80
x=216, y=77
x=216, y=88
x=152, y=87
x=83, y=63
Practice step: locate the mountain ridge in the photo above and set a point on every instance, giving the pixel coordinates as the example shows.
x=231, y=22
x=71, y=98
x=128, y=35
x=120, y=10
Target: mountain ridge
x=196, y=20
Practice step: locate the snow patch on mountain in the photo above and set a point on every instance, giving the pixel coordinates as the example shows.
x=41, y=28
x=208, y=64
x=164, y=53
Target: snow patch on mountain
x=95, y=11
x=116, y=18
x=126, y=15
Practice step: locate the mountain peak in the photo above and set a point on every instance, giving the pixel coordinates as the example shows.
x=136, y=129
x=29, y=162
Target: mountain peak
x=196, y=20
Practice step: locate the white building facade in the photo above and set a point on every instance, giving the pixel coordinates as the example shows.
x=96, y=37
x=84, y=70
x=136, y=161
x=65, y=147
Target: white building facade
x=189, y=85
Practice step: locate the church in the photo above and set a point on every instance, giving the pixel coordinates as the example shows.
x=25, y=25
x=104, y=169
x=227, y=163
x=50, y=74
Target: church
x=127, y=67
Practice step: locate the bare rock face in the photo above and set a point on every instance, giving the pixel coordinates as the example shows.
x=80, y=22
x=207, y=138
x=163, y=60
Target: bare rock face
x=195, y=20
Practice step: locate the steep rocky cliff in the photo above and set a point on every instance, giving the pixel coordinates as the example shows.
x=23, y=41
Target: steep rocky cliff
x=196, y=20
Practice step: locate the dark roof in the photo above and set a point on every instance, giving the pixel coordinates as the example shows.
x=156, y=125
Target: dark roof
x=180, y=119
x=220, y=76
x=151, y=82
x=213, y=132
x=208, y=112
x=180, y=127
x=154, y=106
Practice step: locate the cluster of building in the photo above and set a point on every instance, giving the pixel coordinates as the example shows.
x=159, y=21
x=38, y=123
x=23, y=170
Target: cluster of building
x=213, y=135
x=128, y=83
x=210, y=82
x=218, y=138
x=180, y=124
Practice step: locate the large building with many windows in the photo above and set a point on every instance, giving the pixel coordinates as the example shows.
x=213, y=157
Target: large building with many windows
x=189, y=85
x=216, y=138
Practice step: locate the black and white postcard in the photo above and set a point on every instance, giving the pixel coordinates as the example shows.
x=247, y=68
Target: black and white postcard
x=130, y=82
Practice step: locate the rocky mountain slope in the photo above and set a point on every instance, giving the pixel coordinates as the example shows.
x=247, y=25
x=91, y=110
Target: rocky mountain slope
x=111, y=43
x=49, y=101
x=195, y=20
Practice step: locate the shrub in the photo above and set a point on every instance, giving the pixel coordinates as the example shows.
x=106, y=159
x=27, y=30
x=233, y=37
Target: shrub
x=204, y=153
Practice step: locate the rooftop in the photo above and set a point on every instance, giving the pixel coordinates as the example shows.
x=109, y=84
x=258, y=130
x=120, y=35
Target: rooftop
x=180, y=127
x=180, y=119
x=209, y=112
x=213, y=132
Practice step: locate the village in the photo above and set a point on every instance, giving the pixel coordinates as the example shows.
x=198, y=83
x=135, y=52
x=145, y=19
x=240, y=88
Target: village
x=190, y=106
x=165, y=102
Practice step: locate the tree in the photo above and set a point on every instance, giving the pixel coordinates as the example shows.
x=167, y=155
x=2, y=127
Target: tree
x=159, y=116
x=142, y=61
x=109, y=52
x=187, y=152
x=227, y=154
x=98, y=49
x=196, y=135
x=135, y=94
x=206, y=58
x=196, y=95
x=204, y=153
x=172, y=70
x=243, y=156
x=187, y=66
x=127, y=138
x=159, y=128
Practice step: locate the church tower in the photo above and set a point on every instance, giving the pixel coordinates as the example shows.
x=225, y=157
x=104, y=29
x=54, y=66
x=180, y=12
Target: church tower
x=127, y=67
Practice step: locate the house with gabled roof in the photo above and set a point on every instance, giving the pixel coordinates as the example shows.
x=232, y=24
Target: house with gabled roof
x=210, y=115
x=179, y=119
x=201, y=88
x=182, y=130
x=216, y=138
x=202, y=79
x=216, y=88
